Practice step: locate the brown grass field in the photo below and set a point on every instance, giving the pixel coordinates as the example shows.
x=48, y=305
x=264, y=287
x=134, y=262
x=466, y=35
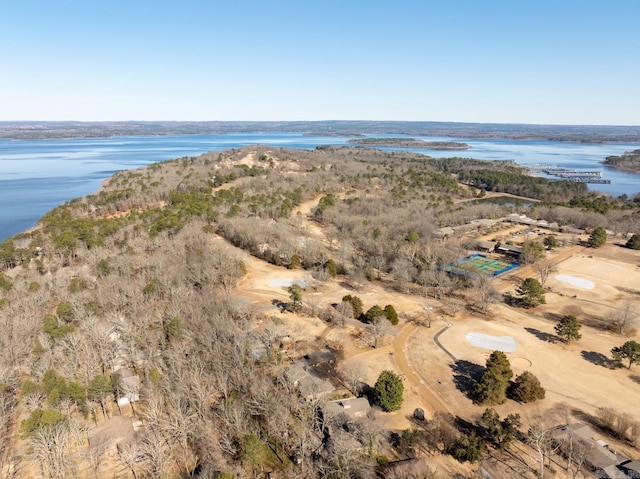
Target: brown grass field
x=579, y=374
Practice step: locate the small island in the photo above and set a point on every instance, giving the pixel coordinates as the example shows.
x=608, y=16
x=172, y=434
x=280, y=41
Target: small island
x=411, y=143
x=630, y=161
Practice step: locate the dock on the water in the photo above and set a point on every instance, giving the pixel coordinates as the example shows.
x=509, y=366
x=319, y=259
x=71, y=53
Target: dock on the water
x=568, y=174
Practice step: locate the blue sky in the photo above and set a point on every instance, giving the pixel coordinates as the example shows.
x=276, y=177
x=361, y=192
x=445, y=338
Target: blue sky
x=526, y=61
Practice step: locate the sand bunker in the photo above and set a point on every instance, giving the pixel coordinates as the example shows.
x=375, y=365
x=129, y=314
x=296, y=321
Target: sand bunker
x=288, y=282
x=576, y=281
x=520, y=363
x=486, y=341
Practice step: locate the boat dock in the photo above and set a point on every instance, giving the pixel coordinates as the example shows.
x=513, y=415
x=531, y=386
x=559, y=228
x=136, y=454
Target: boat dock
x=585, y=179
x=568, y=174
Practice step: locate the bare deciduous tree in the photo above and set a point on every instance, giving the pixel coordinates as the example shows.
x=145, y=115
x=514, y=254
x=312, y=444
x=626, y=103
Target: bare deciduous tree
x=128, y=454
x=577, y=451
x=156, y=449
x=484, y=293
x=624, y=317
x=540, y=437
x=441, y=431
x=445, y=284
x=376, y=331
x=96, y=454
x=454, y=306
x=49, y=449
x=345, y=310
x=544, y=269
x=352, y=374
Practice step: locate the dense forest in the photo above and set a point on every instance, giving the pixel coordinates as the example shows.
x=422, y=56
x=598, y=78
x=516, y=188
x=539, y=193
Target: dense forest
x=138, y=277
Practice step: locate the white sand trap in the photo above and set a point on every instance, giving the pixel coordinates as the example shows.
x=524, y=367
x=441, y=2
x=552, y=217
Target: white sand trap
x=576, y=281
x=485, y=341
x=288, y=282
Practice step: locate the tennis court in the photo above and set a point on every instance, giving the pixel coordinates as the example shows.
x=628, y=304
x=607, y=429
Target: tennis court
x=479, y=263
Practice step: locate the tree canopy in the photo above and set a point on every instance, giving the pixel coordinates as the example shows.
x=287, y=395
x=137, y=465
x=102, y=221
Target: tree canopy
x=356, y=304
x=468, y=448
x=295, y=294
x=551, y=241
x=598, y=237
x=391, y=314
x=374, y=314
x=531, y=293
x=526, y=388
x=499, y=432
x=388, y=391
x=492, y=386
x=629, y=351
x=532, y=251
x=568, y=329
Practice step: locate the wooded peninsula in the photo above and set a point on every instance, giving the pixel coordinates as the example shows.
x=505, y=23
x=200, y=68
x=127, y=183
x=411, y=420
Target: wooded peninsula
x=411, y=143
x=630, y=161
x=266, y=312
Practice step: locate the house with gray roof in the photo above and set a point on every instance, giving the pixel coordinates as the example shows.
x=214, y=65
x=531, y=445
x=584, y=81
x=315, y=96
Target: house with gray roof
x=129, y=387
x=352, y=408
x=631, y=469
x=600, y=457
x=309, y=384
x=478, y=245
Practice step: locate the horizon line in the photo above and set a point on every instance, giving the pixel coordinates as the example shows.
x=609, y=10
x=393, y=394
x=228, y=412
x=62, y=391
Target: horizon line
x=518, y=123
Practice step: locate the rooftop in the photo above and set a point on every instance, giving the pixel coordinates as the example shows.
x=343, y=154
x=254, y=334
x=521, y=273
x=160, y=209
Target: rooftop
x=353, y=408
x=307, y=381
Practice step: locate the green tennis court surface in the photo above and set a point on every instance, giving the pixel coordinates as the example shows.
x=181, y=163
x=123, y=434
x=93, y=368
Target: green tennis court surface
x=479, y=263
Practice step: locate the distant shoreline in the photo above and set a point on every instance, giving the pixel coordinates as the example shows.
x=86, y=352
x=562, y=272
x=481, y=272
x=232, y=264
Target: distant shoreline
x=411, y=143
x=37, y=130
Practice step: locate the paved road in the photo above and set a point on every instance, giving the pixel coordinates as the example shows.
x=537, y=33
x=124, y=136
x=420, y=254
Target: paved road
x=436, y=339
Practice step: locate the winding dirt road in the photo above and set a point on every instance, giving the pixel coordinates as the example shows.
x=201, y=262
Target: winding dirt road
x=431, y=402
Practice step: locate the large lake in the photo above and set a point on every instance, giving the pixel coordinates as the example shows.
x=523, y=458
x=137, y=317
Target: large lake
x=36, y=176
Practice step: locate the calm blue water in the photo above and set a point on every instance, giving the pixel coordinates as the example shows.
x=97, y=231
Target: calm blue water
x=36, y=176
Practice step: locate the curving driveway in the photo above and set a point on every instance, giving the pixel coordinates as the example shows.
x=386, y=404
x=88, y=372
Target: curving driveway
x=413, y=377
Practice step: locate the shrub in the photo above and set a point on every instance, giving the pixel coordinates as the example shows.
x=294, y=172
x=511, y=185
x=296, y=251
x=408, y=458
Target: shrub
x=356, y=305
x=391, y=314
x=598, y=237
x=634, y=242
x=65, y=312
x=373, y=314
x=468, y=448
x=76, y=285
x=526, y=388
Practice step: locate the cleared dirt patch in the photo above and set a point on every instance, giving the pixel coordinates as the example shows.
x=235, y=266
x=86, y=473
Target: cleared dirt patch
x=286, y=282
